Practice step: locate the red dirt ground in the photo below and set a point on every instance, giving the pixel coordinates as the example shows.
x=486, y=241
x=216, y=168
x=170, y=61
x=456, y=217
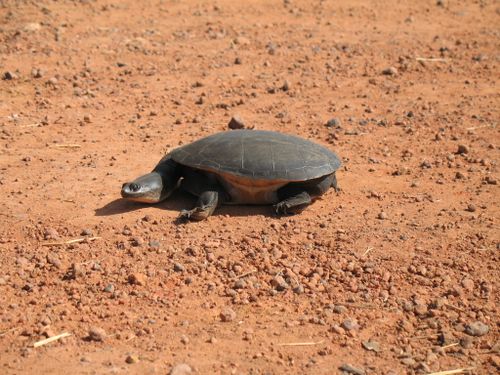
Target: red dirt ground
x=403, y=260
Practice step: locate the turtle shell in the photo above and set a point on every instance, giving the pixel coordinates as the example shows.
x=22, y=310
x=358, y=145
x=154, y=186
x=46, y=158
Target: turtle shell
x=259, y=155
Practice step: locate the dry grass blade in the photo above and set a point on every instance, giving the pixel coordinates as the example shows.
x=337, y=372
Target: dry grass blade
x=307, y=343
x=368, y=249
x=51, y=339
x=450, y=345
x=431, y=59
x=245, y=274
x=455, y=371
x=68, y=242
x=454, y=308
x=8, y=331
x=425, y=337
x=67, y=145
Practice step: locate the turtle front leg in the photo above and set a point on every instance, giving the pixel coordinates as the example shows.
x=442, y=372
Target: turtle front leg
x=294, y=204
x=208, y=201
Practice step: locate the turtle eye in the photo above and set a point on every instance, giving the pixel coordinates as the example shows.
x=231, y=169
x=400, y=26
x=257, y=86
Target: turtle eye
x=134, y=187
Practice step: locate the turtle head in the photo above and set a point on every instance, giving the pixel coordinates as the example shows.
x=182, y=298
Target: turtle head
x=146, y=189
x=155, y=186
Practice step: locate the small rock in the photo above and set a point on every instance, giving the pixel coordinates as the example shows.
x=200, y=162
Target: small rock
x=339, y=309
x=238, y=61
x=350, y=325
x=181, y=369
x=132, y=358
x=110, y=288
x=352, y=370
x=286, y=85
x=185, y=339
x=50, y=234
x=87, y=119
x=382, y=216
x=490, y=180
x=333, y=123
x=471, y=208
x=37, y=73
x=236, y=123
x=227, y=315
x=178, y=267
x=299, y=289
x=8, y=76
x=468, y=284
x=86, y=232
x=137, y=278
x=371, y=346
x=96, y=334
x=408, y=361
x=462, y=150
x=467, y=342
x=390, y=71
x=477, y=329
x=279, y=283
x=54, y=260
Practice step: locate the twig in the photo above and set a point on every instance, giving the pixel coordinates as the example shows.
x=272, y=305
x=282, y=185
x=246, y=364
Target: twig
x=431, y=59
x=35, y=125
x=50, y=339
x=8, y=331
x=450, y=345
x=76, y=240
x=455, y=371
x=368, y=249
x=245, y=274
x=360, y=306
x=74, y=145
x=480, y=127
x=454, y=308
x=310, y=343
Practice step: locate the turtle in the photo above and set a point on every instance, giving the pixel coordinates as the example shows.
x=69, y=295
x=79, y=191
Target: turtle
x=257, y=167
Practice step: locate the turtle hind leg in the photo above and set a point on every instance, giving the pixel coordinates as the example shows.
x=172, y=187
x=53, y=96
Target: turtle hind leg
x=293, y=204
x=208, y=201
x=296, y=196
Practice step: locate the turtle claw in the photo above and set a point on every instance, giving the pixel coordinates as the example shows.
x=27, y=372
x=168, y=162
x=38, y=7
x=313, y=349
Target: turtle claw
x=196, y=214
x=281, y=208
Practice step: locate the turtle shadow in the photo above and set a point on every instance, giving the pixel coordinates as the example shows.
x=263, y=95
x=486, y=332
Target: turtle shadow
x=176, y=202
x=180, y=200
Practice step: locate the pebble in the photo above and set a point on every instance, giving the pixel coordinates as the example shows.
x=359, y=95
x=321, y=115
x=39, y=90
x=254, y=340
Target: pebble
x=373, y=346
x=350, y=325
x=137, y=278
x=279, y=283
x=382, y=216
x=333, y=123
x=110, y=288
x=96, y=334
x=286, y=85
x=390, y=71
x=339, y=309
x=132, y=358
x=227, y=315
x=350, y=369
x=471, y=208
x=468, y=284
x=238, y=61
x=178, y=267
x=477, y=329
x=462, y=150
x=236, y=123
x=181, y=369
x=8, y=76
x=54, y=260
x=185, y=339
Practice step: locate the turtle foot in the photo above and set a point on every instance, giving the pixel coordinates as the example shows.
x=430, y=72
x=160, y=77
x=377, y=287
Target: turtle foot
x=196, y=214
